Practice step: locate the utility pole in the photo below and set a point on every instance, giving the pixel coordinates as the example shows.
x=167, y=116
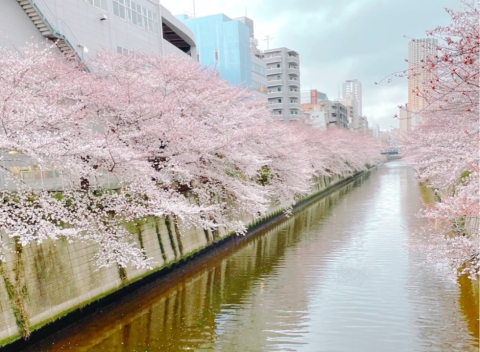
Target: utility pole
x=267, y=39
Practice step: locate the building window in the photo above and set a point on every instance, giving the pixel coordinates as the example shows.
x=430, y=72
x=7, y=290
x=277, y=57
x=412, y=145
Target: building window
x=279, y=89
x=122, y=51
x=259, y=86
x=138, y=15
x=278, y=77
x=101, y=4
x=279, y=100
x=258, y=69
x=278, y=65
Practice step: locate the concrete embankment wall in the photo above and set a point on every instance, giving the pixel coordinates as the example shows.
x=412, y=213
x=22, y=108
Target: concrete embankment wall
x=41, y=283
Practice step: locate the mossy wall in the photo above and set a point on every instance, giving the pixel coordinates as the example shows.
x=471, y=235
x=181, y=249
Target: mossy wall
x=40, y=283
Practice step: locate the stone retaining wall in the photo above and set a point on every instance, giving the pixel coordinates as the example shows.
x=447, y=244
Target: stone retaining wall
x=41, y=283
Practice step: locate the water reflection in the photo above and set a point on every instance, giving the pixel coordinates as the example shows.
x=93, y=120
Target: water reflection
x=335, y=277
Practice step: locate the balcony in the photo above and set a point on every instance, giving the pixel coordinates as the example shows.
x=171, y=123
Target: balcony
x=274, y=71
x=293, y=71
x=294, y=105
x=293, y=59
x=274, y=83
x=273, y=106
x=271, y=60
x=294, y=95
x=293, y=83
x=275, y=94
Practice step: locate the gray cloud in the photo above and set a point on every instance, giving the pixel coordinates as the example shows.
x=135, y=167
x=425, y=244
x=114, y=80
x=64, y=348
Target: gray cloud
x=341, y=39
x=344, y=39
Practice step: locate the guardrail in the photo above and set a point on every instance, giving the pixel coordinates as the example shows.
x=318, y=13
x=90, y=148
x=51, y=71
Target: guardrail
x=58, y=27
x=19, y=169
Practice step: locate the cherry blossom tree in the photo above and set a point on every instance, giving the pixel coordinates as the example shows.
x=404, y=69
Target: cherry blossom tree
x=142, y=135
x=444, y=149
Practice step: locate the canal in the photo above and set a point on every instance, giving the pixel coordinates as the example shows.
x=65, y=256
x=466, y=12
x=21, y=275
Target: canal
x=336, y=276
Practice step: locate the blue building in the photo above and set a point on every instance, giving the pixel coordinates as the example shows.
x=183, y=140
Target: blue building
x=223, y=44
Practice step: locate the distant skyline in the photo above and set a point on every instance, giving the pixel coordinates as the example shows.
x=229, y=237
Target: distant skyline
x=340, y=40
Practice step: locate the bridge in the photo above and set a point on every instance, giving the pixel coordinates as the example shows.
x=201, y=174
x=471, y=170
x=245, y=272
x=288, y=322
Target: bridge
x=392, y=153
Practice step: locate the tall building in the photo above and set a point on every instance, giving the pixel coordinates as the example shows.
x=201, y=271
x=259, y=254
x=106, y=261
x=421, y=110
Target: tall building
x=86, y=27
x=223, y=44
x=353, y=87
x=283, y=83
x=405, y=120
x=418, y=76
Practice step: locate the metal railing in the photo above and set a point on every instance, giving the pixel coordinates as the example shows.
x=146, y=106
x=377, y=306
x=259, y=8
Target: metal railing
x=20, y=170
x=58, y=27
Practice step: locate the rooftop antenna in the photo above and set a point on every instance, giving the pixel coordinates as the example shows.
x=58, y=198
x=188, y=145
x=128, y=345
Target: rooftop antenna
x=194, y=9
x=267, y=39
x=246, y=11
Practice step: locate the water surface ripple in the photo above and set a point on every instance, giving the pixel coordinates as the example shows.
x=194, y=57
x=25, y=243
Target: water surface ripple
x=334, y=278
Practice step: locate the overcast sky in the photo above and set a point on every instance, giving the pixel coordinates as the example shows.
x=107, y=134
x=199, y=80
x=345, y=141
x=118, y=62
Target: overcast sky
x=339, y=40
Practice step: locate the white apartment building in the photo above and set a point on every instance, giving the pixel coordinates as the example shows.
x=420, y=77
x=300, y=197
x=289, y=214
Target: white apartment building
x=85, y=27
x=283, y=83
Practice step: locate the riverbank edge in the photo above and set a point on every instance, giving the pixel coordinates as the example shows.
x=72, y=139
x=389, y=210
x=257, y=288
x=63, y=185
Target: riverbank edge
x=156, y=277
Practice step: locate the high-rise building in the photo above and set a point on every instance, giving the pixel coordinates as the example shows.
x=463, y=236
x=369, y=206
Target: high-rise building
x=418, y=77
x=283, y=83
x=353, y=87
x=405, y=120
x=223, y=44
x=83, y=28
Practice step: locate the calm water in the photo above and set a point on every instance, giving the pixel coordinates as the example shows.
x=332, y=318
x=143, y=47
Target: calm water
x=335, y=277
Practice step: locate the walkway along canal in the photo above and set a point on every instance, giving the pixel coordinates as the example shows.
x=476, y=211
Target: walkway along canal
x=334, y=277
